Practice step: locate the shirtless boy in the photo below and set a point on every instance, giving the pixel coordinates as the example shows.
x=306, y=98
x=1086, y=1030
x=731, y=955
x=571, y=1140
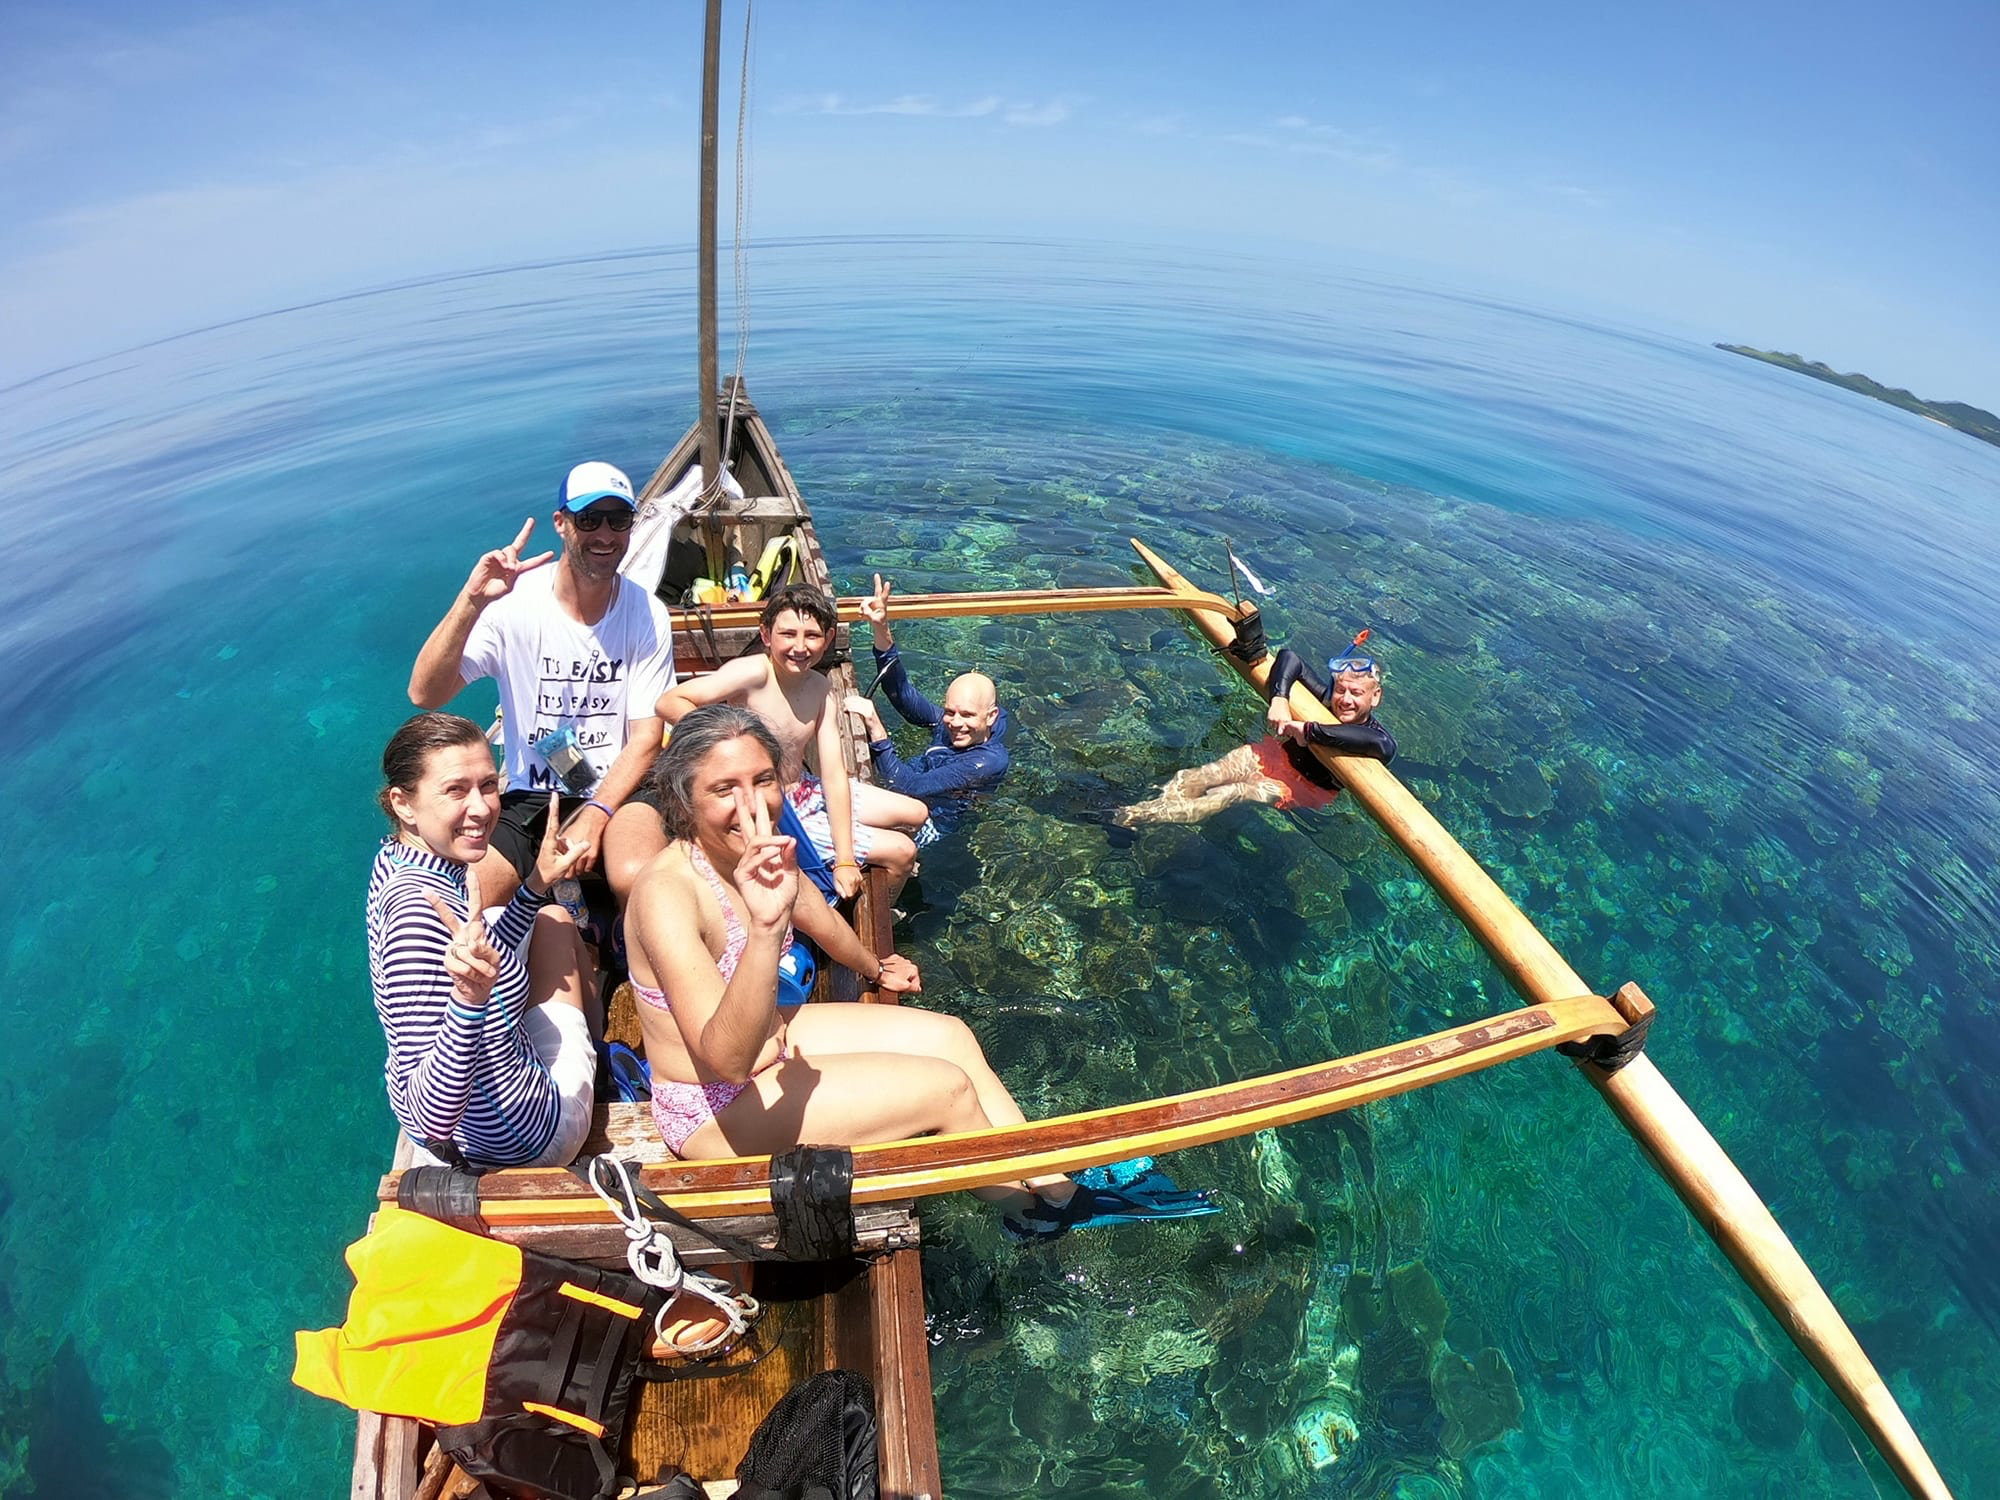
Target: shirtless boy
x=848, y=822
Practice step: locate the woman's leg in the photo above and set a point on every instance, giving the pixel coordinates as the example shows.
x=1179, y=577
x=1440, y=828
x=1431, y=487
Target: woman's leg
x=854, y=1098
x=903, y=1030
x=556, y=965
x=816, y=1030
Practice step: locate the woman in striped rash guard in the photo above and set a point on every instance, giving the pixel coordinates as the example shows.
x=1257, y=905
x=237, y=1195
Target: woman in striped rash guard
x=490, y=1053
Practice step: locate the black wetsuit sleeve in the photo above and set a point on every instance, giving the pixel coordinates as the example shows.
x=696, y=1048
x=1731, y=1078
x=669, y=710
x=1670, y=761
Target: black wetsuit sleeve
x=1365, y=738
x=1286, y=669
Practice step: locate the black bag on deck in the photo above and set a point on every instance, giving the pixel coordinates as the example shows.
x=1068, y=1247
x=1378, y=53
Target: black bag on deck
x=559, y=1387
x=818, y=1443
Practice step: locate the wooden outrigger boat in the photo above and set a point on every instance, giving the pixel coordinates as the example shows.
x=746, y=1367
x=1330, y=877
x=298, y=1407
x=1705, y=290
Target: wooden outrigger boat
x=863, y=1309
x=867, y=1312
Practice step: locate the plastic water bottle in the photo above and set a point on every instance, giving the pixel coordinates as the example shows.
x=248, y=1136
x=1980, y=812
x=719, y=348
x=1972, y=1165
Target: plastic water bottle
x=570, y=894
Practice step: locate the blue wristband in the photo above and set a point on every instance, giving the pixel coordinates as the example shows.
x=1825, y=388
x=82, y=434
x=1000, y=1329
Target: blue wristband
x=593, y=802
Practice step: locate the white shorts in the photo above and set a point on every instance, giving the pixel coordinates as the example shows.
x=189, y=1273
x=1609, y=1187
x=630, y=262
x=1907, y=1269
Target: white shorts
x=561, y=1039
x=808, y=799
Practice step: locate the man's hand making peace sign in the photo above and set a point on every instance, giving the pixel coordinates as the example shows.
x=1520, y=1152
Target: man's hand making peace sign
x=493, y=576
x=434, y=679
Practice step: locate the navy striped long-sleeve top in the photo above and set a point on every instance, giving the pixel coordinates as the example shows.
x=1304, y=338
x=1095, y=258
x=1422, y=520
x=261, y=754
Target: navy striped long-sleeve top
x=468, y=1076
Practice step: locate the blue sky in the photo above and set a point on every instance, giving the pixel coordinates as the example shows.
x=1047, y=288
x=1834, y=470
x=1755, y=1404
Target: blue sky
x=1820, y=178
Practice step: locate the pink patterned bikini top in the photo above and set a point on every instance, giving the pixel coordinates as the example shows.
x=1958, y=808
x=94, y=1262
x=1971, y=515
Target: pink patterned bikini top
x=732, y=947
x=734, y=940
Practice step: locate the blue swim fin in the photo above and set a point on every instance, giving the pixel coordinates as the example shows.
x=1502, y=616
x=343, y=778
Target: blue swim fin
x=1145, y=1194
x=1116, y=1175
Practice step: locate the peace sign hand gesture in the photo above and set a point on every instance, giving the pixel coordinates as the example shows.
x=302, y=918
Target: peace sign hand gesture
x=767, y=875
x=875, y=610
x=494, y=575
x=470, y=957
x=561, y=855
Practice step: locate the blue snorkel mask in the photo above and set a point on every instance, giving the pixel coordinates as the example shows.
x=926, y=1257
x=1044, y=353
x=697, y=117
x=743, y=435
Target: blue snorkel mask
x=1351, y=663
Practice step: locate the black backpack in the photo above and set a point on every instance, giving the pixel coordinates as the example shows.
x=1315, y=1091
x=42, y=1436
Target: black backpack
x=559, y=1387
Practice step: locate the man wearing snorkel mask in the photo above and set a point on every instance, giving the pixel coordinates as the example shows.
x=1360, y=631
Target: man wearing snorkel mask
x=1280, y=770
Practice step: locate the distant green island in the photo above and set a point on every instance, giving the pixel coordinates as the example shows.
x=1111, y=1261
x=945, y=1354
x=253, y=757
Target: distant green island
x=1967, y=419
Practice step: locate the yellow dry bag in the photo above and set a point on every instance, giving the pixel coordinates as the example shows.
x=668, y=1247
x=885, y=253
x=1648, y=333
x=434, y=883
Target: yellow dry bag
x=782, y=551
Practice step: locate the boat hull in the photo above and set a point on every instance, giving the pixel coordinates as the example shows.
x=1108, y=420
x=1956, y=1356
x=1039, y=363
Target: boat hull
x=861, y=1312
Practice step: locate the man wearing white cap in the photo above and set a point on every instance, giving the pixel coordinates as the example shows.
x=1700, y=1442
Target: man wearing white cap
x=581, y=656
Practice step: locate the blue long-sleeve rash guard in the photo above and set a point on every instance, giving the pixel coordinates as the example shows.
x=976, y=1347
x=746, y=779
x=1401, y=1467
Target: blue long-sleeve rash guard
x=948, y=780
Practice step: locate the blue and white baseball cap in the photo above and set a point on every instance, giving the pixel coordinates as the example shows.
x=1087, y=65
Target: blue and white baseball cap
x=590, y=482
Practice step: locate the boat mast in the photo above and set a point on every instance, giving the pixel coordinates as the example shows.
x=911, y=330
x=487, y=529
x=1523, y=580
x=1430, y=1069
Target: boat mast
x=710, y=426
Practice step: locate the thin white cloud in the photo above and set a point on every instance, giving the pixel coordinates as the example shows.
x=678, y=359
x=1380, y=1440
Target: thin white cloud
x=1052, y=113
x=1589, y=197
x=1301, y=137
x=918, y=105
x=930, y=107
x=1308, y=137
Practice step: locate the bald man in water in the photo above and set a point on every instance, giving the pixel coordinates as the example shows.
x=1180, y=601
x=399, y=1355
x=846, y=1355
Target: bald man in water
x=965, y=758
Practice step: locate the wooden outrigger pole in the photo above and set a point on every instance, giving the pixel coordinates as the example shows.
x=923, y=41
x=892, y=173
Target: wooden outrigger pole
x=896, y=1170
x=977, y=605
x=1680, y=1146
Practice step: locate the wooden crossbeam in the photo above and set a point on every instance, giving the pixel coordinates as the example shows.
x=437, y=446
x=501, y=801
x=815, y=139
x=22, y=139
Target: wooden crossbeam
x=984, y=1158
x=722, y=617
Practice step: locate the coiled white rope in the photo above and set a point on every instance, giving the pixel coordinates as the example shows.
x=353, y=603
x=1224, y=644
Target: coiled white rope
x=653, y=1259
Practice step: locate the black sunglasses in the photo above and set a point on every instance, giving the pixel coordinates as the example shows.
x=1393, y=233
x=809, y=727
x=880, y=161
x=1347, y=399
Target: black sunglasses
x=590, y=520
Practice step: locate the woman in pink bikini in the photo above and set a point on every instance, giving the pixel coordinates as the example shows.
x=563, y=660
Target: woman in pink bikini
x=733, y=1073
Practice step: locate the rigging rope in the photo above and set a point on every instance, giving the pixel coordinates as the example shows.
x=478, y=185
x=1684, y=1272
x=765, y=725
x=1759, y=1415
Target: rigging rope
x=740, y=264
x=653, y=1259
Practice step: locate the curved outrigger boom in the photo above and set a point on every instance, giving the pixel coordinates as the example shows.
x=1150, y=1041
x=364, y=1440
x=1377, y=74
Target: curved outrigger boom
x=1680, y=1146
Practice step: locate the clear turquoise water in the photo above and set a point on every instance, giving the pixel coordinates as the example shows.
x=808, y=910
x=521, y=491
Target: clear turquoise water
x=1696, y=655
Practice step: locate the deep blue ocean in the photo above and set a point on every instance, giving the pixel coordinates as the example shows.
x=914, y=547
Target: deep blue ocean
x=1696, y=654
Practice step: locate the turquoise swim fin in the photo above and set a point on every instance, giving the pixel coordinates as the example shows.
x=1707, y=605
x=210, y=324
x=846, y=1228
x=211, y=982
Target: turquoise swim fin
x=1142, y=1192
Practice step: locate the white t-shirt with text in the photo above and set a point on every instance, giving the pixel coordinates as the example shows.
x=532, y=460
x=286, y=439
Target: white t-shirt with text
x=554, y=672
